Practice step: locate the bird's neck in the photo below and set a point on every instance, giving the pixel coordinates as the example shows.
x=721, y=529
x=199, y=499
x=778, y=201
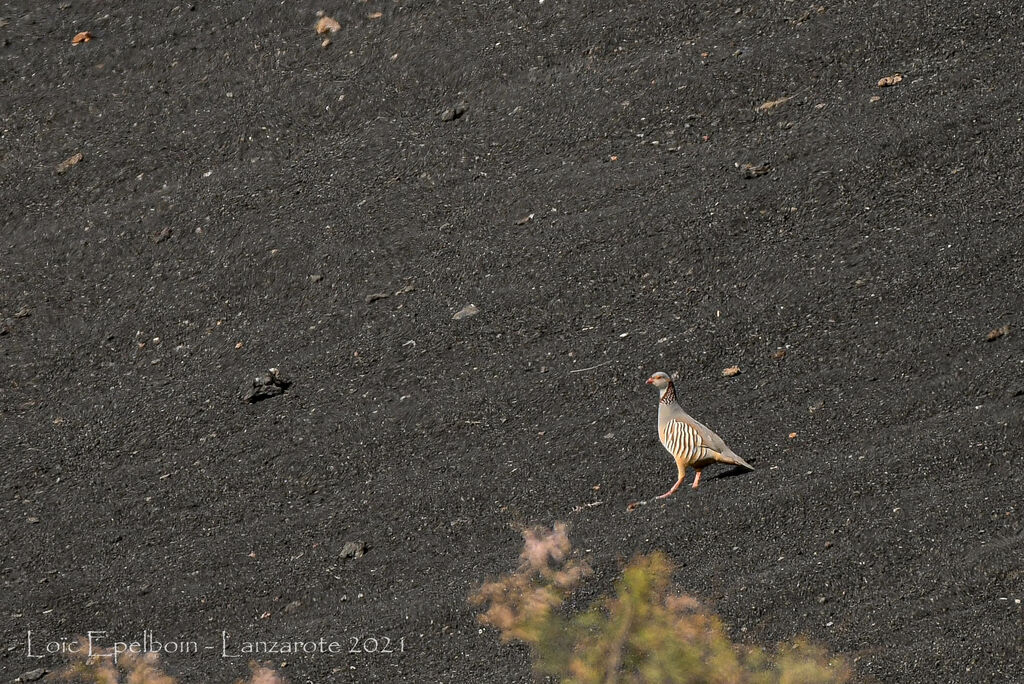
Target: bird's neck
x=668, y=395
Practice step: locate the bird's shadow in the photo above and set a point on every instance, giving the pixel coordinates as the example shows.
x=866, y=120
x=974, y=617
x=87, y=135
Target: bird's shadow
x=735, y=471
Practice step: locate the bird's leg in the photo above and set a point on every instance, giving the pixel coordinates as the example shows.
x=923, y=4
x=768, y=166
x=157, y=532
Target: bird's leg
x=681, y=469
x=696, y=480
x=673, y=490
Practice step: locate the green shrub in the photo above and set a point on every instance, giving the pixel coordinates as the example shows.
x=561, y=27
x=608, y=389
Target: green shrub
x=643, y=633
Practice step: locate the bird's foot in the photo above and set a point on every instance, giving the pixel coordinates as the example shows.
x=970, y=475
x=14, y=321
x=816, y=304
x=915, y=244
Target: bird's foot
x=673, y=490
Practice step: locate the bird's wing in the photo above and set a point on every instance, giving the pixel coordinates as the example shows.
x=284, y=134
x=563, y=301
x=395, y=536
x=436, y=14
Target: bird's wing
x=711, y=438
x=707, y=436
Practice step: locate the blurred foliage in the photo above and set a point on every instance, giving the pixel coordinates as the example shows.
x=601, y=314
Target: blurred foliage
x=101, y=667
x=643, y=633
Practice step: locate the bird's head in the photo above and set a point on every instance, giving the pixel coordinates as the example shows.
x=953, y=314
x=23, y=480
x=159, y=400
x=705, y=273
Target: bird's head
x=660, y=380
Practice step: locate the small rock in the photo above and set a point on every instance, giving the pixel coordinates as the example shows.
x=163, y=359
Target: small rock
x=816, y=406
x=23, y=312
x=293, y=606
x=315, y=278
x=731, y=371
x=754, y=170
x=523, y=221
x=821, y=599
x=779, y=354
x=32, y=675
x=887, y=81
x=453, y=113
x=370, y=298
x=354, y=549
x=33, y=520
x=264, y=386
x=326, y=44
x=466, y=312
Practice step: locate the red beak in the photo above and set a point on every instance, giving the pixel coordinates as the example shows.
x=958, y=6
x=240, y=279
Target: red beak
x=650, y=380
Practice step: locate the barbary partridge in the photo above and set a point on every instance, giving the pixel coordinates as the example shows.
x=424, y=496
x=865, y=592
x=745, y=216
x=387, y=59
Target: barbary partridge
x=692, y=444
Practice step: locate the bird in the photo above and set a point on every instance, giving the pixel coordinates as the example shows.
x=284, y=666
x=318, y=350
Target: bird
x=692, y=444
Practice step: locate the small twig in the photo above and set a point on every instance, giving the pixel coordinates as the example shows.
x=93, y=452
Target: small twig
x=582, y=507
x=603, y=363
x=637, y=504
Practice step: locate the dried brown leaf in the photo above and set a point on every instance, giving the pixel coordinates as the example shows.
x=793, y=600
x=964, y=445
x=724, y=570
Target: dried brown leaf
x=81, y=37
x=69, y=162
x=887, y=81
x=772, y=104
x=996, y=333
x=327, y=25
x=731, y=371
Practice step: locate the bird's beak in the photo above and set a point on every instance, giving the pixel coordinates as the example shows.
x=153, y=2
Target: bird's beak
x=650, y=381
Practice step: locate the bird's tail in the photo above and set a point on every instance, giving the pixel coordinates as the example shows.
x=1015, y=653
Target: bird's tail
x=732, y=458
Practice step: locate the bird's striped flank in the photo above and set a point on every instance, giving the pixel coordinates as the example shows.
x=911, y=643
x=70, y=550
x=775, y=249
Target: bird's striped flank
x=683, y=441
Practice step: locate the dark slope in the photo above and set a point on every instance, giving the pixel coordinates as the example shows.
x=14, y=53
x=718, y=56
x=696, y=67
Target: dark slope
x=880, y=248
